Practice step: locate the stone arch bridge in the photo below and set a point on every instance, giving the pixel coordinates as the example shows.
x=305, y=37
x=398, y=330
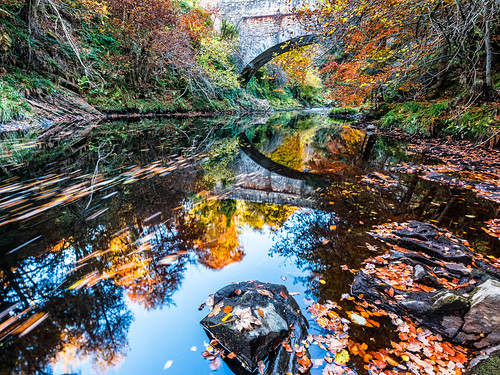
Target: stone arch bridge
x=266, y=28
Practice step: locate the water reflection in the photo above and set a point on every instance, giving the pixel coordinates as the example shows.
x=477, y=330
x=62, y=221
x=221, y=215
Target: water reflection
x=115, y=222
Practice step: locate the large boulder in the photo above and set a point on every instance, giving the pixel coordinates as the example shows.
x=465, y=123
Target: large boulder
x=252, y=320
x=483, y=318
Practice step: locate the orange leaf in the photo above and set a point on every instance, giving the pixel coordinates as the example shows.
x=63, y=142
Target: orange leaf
x=391, y=361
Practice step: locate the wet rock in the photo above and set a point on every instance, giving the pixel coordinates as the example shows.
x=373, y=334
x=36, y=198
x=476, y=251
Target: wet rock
x=484, y=314
x=448, y=302
x=421, y=275
x=459, y=269
x=452, y=325
x=252, y=319
x=464, y=338
x=429, y=239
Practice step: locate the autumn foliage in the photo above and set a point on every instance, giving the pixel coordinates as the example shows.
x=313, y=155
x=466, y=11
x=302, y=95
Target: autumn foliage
x=385, y=48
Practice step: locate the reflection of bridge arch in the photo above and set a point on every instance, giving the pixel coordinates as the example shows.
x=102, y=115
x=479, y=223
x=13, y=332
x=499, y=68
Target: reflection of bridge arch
x=262, y=180
x=276, y=50
x=251, y=151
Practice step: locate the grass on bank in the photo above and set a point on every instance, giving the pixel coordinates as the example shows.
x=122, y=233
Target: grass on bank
x=479, y=123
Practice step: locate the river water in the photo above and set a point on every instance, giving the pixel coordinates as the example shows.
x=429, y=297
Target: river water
x=111, y=241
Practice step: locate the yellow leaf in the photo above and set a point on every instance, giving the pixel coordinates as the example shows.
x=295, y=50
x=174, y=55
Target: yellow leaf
x=342, y=356
x=228, y=316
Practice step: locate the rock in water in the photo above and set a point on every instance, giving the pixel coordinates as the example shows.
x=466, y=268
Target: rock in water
x=252, y=320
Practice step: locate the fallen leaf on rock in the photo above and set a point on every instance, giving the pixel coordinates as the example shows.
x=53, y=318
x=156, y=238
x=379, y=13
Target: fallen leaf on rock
x=227, y=317
x=245, y=319
x=217, y=309
x=265, y=292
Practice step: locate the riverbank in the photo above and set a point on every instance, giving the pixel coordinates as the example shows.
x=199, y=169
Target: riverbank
x=63, y=108
x=478, y=123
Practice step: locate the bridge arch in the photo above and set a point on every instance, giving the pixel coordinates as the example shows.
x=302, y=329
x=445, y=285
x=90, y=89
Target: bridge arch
x=263, y=58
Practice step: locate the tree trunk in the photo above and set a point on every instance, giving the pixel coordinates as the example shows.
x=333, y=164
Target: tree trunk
x=487, y=41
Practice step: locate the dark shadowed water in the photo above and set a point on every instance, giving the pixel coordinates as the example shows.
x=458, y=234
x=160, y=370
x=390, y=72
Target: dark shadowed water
x=111, y=241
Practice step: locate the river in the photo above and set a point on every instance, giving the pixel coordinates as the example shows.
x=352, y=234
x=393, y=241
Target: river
x=111, y=242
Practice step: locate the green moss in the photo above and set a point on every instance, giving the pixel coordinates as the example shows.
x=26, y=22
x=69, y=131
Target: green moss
x=445, y=300
x=344, y=111
x=475, y=122
x=490, y=366
x=417, y=118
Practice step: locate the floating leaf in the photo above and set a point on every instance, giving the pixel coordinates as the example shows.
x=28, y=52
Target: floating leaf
x=342, y=356
x=287, y=347
x=358, y=319
x=304, y=364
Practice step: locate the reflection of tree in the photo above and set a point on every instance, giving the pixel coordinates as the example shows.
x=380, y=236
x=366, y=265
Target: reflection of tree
x=80, y=270
x=289, y=153
x=94, y=321
x=217, y=225
x=309, y=240
x=116, y=253
x=338, y=149
x=256, y=215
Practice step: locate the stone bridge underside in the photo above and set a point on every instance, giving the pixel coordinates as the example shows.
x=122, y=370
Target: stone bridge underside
x=266, y=29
